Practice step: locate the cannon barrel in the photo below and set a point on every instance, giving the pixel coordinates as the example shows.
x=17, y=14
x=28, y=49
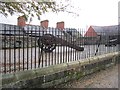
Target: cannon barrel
x=69, y=44
x=51, y=41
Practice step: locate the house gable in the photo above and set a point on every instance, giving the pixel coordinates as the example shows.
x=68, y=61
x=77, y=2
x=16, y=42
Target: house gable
x=90, y=33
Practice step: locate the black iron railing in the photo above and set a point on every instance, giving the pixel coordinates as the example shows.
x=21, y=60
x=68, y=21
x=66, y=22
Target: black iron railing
x=37, y=47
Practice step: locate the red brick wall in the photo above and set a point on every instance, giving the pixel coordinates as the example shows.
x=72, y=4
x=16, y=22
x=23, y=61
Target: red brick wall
x=90, y=32
x=45, y=23
x=60, y=25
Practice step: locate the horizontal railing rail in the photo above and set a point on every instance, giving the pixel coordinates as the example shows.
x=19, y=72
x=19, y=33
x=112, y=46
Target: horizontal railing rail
x=38, y=47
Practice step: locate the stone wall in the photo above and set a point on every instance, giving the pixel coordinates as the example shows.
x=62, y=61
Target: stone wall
x=57, y=74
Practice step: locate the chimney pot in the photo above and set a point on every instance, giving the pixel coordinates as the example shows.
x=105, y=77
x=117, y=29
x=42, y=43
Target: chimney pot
x=60, y=25
x=44, y=23
x=21, y=21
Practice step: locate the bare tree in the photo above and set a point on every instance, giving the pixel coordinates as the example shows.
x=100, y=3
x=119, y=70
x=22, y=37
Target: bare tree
x=30, y=8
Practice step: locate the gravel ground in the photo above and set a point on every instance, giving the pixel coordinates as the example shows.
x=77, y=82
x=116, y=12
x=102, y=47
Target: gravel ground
x=107, y=78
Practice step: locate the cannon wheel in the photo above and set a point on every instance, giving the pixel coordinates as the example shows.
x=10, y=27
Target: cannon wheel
x=47, y=43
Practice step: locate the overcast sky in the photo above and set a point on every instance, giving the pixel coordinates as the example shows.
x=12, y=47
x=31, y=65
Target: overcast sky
x=91, y=12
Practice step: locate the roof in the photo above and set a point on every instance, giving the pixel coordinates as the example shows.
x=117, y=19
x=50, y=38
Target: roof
x=73, y=31
x=33, y=28
x=110, y=30
x=106, y=30
x=10, y=29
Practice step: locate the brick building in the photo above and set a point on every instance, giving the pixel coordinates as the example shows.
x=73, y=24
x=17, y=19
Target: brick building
x=106, y=33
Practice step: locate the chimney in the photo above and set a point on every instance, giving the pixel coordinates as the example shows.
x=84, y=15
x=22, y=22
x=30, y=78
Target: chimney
x=44, y=23
x=60, y=25
x=21, y=21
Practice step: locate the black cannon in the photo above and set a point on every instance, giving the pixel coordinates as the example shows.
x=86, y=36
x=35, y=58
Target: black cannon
x=48, y=39
x=48, y=42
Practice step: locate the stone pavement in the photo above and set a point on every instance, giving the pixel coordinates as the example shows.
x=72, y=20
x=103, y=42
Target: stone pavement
x=107, y=78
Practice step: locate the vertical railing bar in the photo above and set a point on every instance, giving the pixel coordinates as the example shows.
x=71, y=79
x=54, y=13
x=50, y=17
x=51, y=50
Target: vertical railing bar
x=56, y=47
x=55, y=42
x=39, y=52
x=75, y=44
x=108, y=46
x=105, y=42
x=91, y=44
x=23, y=50
x=99, y=48
x=49, y=29
x=19, y=29
x=14, y=49
x=83, y=43
x=71, y=48
x=45, y=57
x=86, y=39
x=78, y=38
x=2, y=49
x=100, y=45
x=31, y=47
x=49, y=54
x=68, y=47
x=7, y=61
x=49, y=58
x=66, y=52
x=42, y=56
x=78, y=43
x=63, y=51
x=28, y=48
x=10, y=52
x=35, y=45
x=38, y=48
x=72, y=59
x=88, y=46
x=61, y=48
x=58, y=50
x=112, y=47
x=5, y=49
x=74, y=49
x=63, y=54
